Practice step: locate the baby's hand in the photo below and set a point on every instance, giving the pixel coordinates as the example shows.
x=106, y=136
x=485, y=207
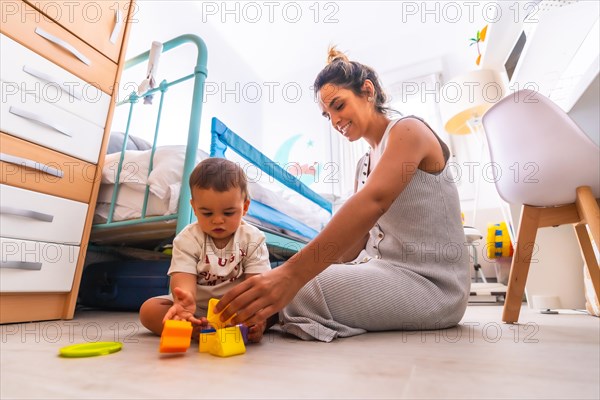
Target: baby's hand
x=184, y=306
x=198, y=327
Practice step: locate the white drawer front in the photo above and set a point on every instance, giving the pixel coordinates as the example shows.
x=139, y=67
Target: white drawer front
x=43, y=123
x=26, y=71
x=35, y=216
x=27, y=266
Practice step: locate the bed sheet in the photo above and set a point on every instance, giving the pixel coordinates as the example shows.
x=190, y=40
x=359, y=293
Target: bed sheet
x=164, y=184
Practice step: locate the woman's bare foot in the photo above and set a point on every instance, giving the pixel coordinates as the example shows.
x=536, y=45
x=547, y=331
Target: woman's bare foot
x=197, y=328
x=256, y=332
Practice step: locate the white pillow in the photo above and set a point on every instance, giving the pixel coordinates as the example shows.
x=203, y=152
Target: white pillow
x=129, y=203
x=168, y=170
x=134, y=171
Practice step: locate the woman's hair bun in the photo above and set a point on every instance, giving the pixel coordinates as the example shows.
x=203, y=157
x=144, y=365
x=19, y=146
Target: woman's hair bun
x=334, y=54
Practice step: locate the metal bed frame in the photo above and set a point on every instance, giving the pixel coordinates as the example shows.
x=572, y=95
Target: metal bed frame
x=164, y=226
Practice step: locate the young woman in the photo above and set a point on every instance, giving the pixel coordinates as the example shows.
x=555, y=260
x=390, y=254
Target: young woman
x=401, y=231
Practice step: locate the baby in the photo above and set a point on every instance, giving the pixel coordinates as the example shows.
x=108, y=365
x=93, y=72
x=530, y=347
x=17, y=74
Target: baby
x=211, y=255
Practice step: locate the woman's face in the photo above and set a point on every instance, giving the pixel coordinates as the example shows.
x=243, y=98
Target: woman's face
x=347, y=112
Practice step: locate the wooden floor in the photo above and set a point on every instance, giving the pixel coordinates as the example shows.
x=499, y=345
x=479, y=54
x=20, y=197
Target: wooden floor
x=545, y=357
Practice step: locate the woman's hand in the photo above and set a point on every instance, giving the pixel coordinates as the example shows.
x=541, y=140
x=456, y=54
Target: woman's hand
x=260, y=296
x=184, y=306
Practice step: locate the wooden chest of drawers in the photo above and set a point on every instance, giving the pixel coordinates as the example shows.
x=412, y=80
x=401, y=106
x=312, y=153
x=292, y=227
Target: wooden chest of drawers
x=60, y=65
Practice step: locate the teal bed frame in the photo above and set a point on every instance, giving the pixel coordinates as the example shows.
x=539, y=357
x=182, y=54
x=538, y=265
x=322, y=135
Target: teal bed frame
x=222, y=138
x=199, y=75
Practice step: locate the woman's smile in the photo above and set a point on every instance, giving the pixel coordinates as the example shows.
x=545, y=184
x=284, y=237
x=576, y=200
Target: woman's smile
x=344, y=129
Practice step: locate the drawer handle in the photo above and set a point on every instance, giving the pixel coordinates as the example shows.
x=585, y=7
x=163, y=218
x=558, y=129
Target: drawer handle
x=118, y=25
x=30, y=266
x=20, y=212
x=31, y=164
x=48, y=78
x=39, y=119
x=67, y=46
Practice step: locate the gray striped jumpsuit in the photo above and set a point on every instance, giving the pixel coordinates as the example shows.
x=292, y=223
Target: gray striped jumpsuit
x=412, y=275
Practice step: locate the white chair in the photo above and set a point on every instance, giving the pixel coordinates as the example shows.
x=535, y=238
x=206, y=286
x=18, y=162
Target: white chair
x=545, y=162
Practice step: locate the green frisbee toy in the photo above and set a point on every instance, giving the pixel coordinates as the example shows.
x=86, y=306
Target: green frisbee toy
x=90, y=349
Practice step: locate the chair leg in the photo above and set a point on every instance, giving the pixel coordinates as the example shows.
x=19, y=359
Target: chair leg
x=588, y=254
x=588, y=210
x=528, y=226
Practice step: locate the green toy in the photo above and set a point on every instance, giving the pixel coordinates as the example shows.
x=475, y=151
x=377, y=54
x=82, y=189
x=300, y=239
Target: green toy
x=90, y=349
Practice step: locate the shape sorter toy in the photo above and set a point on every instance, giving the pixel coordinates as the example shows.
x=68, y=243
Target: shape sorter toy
x=221, y=341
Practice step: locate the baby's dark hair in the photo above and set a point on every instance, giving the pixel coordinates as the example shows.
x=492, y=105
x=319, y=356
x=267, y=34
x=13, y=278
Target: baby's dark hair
x=220, y=175
x=350, y=75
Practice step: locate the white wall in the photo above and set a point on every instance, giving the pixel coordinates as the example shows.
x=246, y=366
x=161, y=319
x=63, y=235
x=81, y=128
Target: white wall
x=586, y=113
x=291, y=116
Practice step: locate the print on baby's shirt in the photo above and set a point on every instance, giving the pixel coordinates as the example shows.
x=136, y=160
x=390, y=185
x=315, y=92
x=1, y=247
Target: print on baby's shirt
x=217, y=270
x=223, y=261
x=208, y=279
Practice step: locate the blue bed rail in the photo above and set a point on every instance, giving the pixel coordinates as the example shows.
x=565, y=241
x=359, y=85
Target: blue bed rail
x=199, y=75
x=223, y=138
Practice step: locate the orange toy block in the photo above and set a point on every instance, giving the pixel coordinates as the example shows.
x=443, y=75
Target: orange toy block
x=176, y=336
x=213, y=318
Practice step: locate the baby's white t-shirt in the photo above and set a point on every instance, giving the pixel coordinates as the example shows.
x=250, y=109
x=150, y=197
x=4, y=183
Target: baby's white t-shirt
x=218, y=270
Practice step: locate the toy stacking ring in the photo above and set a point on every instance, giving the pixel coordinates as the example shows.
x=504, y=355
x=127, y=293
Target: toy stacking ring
x=90, y=349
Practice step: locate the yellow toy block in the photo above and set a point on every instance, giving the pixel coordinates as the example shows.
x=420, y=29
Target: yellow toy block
x=228, y=342
x=224, y=342
x=213, y=318
x=176, y=336
x=205, y=341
